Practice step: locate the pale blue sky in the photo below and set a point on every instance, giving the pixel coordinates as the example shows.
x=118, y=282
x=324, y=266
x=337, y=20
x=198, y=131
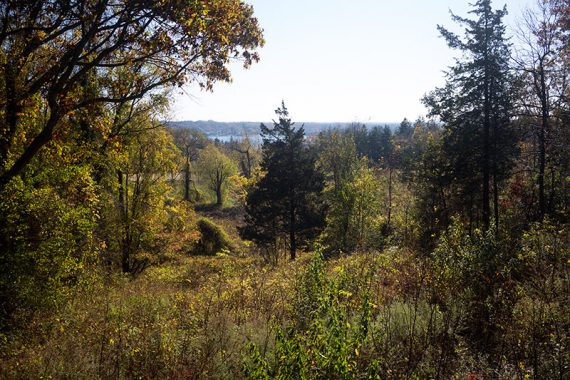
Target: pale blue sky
x=338, y=61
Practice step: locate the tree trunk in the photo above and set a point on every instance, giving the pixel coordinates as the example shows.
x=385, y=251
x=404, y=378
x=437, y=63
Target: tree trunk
x=121, y=193
x=33, y=148
x=542, y=146
x=486, y=175
x=486, y=159
x=187, y=180
x=495, y=158
x=123, y=212
x=292, y=237
x=485, y=164
x=219, y=196
x=541, y=169
x=389, y=199
x=248, y=157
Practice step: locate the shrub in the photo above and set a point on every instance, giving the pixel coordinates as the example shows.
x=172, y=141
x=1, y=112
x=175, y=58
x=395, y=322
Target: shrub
x=539, y=330
x=46, y=240
x=213, y=238
x=325, y=340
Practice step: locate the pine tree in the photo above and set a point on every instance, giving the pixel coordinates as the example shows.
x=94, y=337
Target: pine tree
x=405, y=128
x=283, y=205
x=474, y=106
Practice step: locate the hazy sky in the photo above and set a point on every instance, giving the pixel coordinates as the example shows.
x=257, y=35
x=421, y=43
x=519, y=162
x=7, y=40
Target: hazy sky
x=338, y=60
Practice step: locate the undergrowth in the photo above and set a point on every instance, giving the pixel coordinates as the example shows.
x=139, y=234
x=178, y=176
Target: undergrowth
x=377, y=315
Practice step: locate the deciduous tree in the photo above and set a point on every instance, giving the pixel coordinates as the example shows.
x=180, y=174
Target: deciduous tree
x=354, y=217
x=189, y=141
x=71, y=55
x=216, y=168
x=540, y=62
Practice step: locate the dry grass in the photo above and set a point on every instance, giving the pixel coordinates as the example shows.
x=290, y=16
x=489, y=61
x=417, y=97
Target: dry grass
x=190, y=317
x=195, y=317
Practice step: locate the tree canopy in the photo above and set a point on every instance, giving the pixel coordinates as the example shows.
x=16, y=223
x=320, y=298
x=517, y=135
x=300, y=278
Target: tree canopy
x=59, y=58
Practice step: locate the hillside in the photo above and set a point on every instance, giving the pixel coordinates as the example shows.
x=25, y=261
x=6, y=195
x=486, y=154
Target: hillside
x=136, y=248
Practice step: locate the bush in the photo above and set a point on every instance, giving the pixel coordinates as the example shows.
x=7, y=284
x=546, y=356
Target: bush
x=539, y=331
x=478, y=268
x=46, y=240
x=511, y=297
x=324, y=338
x=213, y=238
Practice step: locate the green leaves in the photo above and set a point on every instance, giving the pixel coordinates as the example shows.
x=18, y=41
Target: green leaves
x=92, y=55
x=216, y=168
x=355, y=216
x=325, y=339
x=47, y=239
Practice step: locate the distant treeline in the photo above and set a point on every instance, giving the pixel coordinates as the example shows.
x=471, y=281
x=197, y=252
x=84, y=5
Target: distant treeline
x=218, y=128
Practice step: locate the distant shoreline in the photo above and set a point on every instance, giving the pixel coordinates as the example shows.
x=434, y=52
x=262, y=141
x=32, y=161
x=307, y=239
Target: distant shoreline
x=238, y=129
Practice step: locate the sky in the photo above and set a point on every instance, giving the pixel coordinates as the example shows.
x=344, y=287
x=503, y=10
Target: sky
x=338, y=61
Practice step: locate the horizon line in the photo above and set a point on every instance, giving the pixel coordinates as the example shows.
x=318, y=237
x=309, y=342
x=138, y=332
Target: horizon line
x=296, y=122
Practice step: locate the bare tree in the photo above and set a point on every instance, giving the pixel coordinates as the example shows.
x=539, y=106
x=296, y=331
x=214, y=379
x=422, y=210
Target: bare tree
x=190, y=142
x=540, y=62
x=247, y=152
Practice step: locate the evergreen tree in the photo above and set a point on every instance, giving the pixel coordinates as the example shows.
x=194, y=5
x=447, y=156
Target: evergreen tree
x=359, y=133
x=474, y=105
x=380, y=144
x=405, y=128
x=283, y=205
